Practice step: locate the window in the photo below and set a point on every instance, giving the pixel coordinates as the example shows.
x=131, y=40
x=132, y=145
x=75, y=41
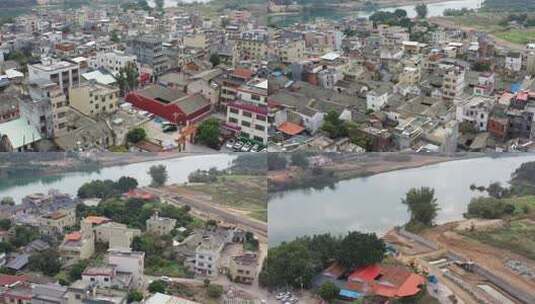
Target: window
x=233, y=120
x=258, y=138
x=247, y=114
x=261, y=117
x=259, y=127
x=245, y=123
x=233, y=110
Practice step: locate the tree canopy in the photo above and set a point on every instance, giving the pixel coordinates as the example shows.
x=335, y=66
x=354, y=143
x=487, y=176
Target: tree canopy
x=208, y=133
x=422, y=206
x=158, y=173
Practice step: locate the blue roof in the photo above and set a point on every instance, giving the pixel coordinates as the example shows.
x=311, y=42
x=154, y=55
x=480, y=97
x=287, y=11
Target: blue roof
x=349, y=294
x=515, y=87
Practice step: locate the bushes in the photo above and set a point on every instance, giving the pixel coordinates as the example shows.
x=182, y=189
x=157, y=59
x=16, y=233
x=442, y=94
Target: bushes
x=136, y=135
x=489, y=208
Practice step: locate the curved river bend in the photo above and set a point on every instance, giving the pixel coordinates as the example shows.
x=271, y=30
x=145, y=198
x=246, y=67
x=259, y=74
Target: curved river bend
x=373, y=203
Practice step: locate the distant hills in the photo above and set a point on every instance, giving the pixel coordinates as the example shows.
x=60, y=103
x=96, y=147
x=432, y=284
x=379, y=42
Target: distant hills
x=16, y=3
x=509, y=5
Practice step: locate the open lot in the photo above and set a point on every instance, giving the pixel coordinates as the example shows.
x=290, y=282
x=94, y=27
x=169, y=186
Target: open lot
x=243, y=192
x=518, y=236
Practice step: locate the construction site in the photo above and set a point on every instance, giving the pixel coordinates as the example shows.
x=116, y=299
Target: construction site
x=462, y=270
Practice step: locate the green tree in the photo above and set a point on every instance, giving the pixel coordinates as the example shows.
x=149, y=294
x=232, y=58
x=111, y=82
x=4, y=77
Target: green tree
x=299, y=159
x=134, y=295
x=328, y=291
x=7, y=201
x=421, y=10
x=5, y=224
x=360, y=249
x=158, y=286
x=214, y=59
x=76, y=270
x=496, y=190
x=136, y=135
x=208, y=133
x=214, y=291
x=333, y=125
x=46, y=262
x=158, y=173
x=126, y=183
x=289, y=264
x=115, y=37
x=128, y=77
x=24, y=235
x=422, y=205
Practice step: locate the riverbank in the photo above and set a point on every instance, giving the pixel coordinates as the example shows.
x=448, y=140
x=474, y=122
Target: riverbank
x=364, y=165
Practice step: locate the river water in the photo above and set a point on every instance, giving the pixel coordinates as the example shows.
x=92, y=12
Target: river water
x=373, y=204
x=178, y=170
x=434, y=10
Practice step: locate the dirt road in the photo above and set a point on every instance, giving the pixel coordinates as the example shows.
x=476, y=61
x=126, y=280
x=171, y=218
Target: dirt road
x=488, y=257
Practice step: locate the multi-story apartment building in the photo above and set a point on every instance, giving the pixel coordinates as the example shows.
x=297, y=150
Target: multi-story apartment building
x=128, y=261
x=252, y=45
x=160, y=225
x=291, y=50
x=149, y=51
x=94, y=99
x=47, y=107
x=475, y=110
x=112, y=61
x=453, y=83
x=248, y=113
x=66, y=74
x=242, y=268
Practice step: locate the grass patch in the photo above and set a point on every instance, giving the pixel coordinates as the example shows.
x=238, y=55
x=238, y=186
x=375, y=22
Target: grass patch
x=517, y=36
x=244, y=192
x=167, y=268
x=517, y=236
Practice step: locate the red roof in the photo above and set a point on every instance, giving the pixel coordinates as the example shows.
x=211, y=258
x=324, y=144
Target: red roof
x=290, y=128
x=242, y=73
x=385, y=280
x=6, y=280
x=365, y=274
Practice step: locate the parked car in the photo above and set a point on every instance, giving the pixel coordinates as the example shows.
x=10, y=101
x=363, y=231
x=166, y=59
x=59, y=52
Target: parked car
x=230, y=143
x=237, y=146
x=246, y=147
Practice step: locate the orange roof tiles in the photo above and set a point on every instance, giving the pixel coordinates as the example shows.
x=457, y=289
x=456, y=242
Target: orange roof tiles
x=290, y=128
x=96, y=220
x=73, y=236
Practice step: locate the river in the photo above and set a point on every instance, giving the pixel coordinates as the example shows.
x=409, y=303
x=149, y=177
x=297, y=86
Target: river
x=373, y=204
x=178, y=170
x=434, y=10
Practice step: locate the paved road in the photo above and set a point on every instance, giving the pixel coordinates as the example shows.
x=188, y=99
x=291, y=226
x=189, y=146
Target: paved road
x=212, y=211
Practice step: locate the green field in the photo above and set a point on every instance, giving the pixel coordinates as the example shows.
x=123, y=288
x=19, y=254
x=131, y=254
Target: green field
x=517, y=236
x=517, y=36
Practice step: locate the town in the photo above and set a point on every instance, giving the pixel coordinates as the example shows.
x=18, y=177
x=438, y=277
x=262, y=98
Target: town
x=146, y=238
x=123, y=76
x=129, y=76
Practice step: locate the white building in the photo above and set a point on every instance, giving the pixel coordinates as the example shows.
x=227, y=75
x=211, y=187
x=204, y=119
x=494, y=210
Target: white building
x=128, y=261
x=249, y=112
x=475, y=110
x=64, y=73
x=513, y=61
x=376, y=99
x=112, y=61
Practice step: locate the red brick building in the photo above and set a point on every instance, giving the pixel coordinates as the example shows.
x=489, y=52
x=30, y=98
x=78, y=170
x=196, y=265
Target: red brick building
x=170, y=104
